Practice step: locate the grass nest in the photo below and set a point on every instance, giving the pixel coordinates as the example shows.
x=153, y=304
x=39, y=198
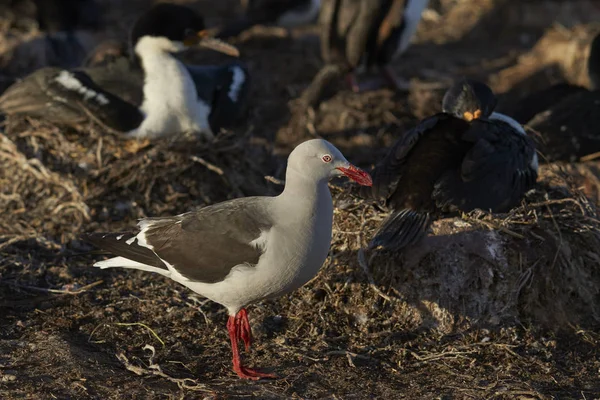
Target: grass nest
x=56, y=183
x=538, y=263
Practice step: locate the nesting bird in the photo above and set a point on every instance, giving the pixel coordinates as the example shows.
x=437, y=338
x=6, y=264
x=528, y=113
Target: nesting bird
x=149, y=96
x=566, y=116
x=283, y=13
x=362, y=34
x=464, y=158
x=244, y=250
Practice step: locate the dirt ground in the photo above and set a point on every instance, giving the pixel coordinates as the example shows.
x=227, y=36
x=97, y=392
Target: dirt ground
x=490, y=307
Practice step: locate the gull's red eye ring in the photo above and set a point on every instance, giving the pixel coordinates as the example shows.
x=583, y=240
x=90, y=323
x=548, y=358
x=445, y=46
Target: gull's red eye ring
x=326, y=158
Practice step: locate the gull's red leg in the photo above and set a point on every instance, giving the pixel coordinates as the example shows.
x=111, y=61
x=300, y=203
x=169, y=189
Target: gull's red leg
x=244, y=326
x=238, y=327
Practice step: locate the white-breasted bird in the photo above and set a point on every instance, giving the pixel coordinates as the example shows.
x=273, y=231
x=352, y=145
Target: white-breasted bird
x=242, y=251
x=150, y=95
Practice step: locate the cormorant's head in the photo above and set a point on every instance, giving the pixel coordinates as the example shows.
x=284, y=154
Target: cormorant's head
x=172, y=28
x=469, y=100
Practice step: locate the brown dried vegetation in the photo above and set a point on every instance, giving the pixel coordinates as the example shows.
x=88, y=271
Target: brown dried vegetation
x=489, y=306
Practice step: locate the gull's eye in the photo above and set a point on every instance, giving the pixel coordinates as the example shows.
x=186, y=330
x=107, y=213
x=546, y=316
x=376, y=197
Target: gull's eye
x=189, y=32
x=326, y=158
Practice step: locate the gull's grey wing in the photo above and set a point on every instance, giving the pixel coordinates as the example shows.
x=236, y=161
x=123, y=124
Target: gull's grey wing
x=202, y=245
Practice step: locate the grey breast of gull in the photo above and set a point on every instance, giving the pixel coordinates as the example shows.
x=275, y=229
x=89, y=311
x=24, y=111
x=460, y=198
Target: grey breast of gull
x=245, y=250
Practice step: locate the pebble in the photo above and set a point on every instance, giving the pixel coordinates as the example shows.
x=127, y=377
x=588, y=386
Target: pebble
x=8, y=376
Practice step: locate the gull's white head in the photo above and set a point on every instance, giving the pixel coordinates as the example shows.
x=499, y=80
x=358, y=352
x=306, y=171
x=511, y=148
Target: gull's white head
x=320, y=160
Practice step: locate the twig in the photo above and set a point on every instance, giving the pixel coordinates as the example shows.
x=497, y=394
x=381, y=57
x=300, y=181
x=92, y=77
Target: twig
x=505, y=347
x=351, y=356
x=590, y=157
x=209, y=166
x=142, y=325
x=198, y=306
x=97, y=120
x=558, y=201
x=156, y=371
x=15, y=239
x=274, y=180
x=94, y=331
x=99, y=152
x=491, y=225
x=437, y=356
x=59, y=291
x=560, y=238
x=365, y=267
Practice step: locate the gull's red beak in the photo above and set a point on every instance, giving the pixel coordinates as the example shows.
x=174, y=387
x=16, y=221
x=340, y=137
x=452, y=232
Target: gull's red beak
x=357, y=175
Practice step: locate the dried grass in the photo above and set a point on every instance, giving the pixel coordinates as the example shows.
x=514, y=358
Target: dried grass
x=456, y=316
x=537, y=263
x=55, y=182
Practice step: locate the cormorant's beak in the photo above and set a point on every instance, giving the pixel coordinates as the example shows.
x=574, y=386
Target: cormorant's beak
x=356, y=174
x=205, y=38
x=470, y=116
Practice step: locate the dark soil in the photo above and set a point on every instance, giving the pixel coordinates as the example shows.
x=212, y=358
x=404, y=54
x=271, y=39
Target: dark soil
x=490, y=307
